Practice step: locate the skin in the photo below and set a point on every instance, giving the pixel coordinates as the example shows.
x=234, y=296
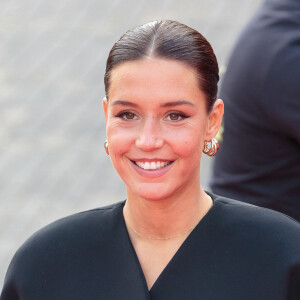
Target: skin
x=156, y=112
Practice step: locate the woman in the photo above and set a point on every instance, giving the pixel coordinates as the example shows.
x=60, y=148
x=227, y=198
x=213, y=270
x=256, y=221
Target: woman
x=170, y=239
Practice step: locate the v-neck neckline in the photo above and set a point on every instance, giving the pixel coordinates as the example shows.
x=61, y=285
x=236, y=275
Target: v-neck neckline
x=177, y=253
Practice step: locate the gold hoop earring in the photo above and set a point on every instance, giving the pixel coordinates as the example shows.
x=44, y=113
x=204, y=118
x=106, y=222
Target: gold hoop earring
x=106, y=147
x=211, y=148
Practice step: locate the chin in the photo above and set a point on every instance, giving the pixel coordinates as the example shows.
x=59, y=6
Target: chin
x=157, y=192
x=153, y=197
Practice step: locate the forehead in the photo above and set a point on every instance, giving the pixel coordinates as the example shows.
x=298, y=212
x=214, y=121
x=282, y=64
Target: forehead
x=154, y=78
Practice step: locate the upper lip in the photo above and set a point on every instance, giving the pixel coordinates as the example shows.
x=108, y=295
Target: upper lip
x=151, y=159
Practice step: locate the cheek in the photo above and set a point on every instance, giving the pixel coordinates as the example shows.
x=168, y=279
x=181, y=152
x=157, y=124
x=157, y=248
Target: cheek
x=188, y=144
x=119, y=139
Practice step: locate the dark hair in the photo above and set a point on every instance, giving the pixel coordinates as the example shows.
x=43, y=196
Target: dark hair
x=170, y=40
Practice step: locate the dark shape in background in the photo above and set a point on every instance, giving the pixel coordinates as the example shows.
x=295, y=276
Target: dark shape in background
x=259, y=159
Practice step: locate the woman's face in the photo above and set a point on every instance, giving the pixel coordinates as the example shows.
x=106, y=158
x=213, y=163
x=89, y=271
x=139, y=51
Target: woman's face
x=156, y=124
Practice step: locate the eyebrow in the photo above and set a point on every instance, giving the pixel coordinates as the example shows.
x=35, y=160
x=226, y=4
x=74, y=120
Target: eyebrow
x=175, y=103
x=167, y=104
x=125, y=103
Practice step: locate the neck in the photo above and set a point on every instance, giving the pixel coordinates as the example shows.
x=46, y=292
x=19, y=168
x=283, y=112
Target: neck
x=166, y=218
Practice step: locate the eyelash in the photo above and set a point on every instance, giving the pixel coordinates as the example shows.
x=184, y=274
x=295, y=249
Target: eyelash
x=124, y=114
x=181, y=116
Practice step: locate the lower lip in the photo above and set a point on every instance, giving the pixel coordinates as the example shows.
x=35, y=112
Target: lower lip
x=152, y=173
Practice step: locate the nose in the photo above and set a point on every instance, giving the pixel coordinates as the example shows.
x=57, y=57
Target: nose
x=150, y=135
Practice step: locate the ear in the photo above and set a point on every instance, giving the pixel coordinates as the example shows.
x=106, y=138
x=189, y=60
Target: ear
x=105, y=108
x=214, y=120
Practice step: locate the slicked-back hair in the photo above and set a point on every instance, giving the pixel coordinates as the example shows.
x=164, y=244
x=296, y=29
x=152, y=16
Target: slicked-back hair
x=172, y=40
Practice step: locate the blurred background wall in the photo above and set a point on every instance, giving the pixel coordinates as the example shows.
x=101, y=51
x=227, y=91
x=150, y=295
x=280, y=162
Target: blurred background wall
x=52, y=61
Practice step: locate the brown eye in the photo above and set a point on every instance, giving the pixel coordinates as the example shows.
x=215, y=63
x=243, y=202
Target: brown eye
x=129, y=116
x=174, y=117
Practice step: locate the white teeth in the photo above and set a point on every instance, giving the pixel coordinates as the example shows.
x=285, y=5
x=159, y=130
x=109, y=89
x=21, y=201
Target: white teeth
x=153, y=165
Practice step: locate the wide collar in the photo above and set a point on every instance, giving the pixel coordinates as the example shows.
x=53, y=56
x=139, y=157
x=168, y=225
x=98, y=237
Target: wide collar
x=130, y=268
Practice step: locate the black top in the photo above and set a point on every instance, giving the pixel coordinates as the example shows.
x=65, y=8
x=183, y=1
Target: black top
x=237, y=252
x=259, y=159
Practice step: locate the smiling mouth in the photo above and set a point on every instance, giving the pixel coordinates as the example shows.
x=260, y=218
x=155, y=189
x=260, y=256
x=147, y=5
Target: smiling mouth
x=153, y=165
